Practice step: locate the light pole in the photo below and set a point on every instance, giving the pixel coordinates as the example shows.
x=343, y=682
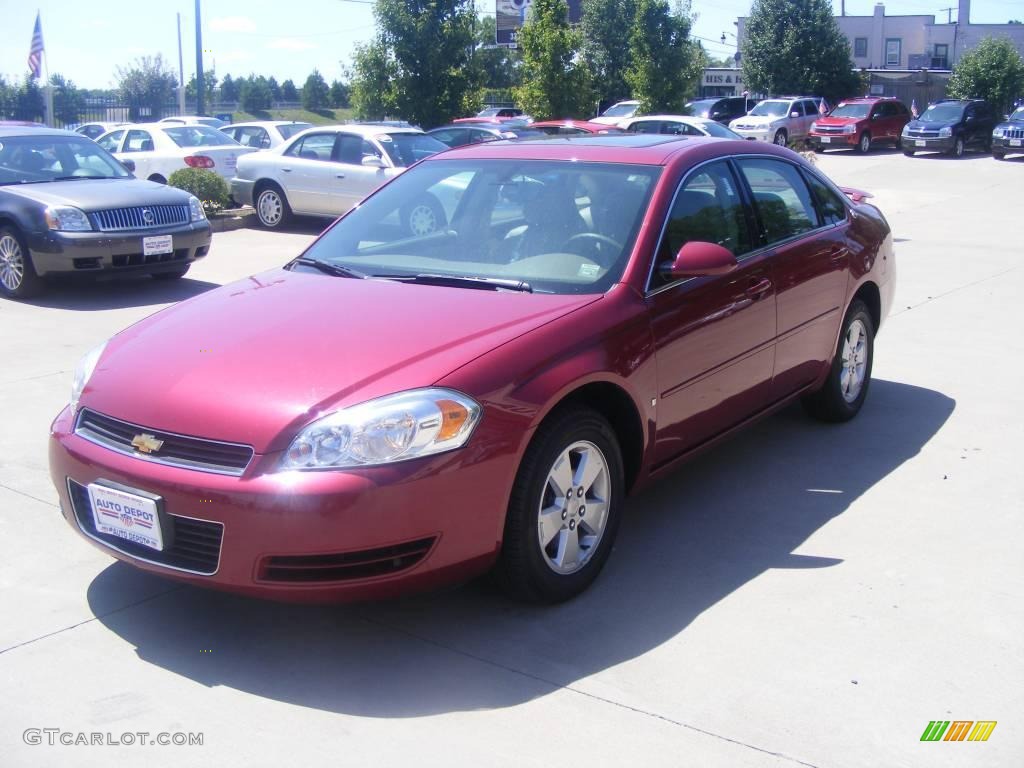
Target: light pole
x=199, y=61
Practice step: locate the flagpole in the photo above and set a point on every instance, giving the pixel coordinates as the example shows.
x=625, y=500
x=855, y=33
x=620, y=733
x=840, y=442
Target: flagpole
x=46, y=66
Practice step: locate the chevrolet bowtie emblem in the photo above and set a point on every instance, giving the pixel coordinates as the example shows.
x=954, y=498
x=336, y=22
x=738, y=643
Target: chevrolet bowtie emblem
x=146, y=443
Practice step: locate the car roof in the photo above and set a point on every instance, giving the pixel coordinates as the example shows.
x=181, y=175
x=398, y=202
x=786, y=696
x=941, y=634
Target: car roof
x=635, y=148
x=677, y=118
x=31, y=130
x=867, y=99
x=261, y=123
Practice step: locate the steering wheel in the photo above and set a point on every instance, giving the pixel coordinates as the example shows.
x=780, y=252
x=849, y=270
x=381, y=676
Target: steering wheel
x=596, y=242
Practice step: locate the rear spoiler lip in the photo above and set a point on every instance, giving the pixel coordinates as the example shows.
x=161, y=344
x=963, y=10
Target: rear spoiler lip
x=856, y=195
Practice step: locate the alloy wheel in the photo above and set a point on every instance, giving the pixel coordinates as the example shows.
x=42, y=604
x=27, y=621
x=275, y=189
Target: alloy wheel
x=865, y=143
x=573, y=511
x=12, y=263
x=270, y=208
x=854, y=361
x=422, y=220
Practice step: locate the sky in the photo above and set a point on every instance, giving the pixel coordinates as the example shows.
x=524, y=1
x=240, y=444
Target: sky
x=288, y=40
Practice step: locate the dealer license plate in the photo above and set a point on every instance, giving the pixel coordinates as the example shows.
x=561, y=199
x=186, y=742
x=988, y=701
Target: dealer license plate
x=920, y=143
x=126, y=515
x=825, y=139
x=1015, y=142
x=153, y=246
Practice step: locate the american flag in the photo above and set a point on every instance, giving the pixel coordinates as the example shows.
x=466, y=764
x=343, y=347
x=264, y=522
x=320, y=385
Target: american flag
x=35, y=52
x=823, y=108
x=913, y=108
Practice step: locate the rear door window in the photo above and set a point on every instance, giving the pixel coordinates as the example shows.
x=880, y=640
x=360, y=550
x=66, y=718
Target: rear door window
x=781, y=198
x=138, y=141
x=111, y=141
x=315, y=146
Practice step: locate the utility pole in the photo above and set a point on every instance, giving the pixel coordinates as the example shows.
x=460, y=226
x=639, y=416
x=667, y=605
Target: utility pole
x=949, y=14
x=181, y=66
x=200, y=90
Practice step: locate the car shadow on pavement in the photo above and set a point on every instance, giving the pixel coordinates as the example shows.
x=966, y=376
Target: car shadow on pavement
x=685, y=544
x=118, y=293
x=299, y=225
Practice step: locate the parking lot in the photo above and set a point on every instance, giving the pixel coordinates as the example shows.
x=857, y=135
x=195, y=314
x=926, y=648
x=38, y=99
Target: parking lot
x=801, y=595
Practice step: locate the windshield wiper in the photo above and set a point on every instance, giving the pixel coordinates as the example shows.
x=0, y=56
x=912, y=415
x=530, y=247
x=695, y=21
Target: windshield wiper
x=463, y=281
x=329, y=269
x=76, y=178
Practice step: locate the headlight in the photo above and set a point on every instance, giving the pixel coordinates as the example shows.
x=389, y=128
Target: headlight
x=997, y=133
x=946, y=132
x=64, y=218
x=906, y=130
x=407, y=425
x=83, y=372
x=814, y=126
x=849, y=129
x=196, y=208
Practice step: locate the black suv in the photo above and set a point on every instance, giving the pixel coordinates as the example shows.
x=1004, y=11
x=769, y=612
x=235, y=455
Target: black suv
x=951, y=126
x=1008, y=137
x=721, y=110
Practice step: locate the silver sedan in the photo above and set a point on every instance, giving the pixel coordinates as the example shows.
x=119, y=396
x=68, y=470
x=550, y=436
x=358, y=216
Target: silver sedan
x=325, y=171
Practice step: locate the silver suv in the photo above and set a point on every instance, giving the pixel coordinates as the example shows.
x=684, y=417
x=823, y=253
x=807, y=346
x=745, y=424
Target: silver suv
x=779, y=120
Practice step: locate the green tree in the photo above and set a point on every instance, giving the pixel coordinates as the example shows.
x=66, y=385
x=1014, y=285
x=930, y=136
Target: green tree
x=229, y=89
x=255, y=94
x=427, y=48
x=147, y=85
x=499, y=66
x=315, y=93
x=68, y=101
x=556, y=82
x=605, y=50
x=275, y=89
x=372, y=97
x=666, y=63
x=795, y=46
x=993, y=70
x=288, y=91
x=209, y=86
x=27, y=101
x=339, y=96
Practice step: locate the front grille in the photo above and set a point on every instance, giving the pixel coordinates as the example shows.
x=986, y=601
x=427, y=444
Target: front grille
x=829, y=129
x=345, y=566
x=917, y=133
x=121, y=219
x=1013, y=133
x=141, y=260
x=194, y=545
x=177, y=450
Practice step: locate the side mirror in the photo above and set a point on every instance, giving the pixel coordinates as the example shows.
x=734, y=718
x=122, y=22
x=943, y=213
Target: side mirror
x=129, y=165
x=697, y=259
x=372, y=161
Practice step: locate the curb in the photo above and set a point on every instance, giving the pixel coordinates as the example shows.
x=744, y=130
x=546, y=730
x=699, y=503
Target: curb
x=236, y=219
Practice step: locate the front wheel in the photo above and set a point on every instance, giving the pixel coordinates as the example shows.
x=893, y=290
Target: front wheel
x=781, y=138
x=18, y=278
x=843, y=394
x=864, y=145
x=564, y=509
x=958, y=147
x=998, y=155
x=908, y=152
x=174, y=274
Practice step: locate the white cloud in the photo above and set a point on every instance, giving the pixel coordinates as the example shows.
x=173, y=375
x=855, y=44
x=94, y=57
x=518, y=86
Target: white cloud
x=290, y=44
x=233, y=24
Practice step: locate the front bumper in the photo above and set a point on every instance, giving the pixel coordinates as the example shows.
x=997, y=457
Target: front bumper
x=756, y=134
x=81, y=252
x=241, y=190
x=929, y=144
x=280, y=531
x=828, y=140
x=1007, y=146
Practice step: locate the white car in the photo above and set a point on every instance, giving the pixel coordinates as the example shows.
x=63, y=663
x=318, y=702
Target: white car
x=209, y=122
x=325, y=171
x=678, y=125
x=95, y=130
x=779, y=120
x=264, y=134
x=618, y=112
x=160, y=149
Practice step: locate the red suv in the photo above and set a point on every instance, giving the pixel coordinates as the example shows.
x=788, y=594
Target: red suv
x=860, y=123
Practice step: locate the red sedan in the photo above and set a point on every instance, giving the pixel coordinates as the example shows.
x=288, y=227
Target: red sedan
x=391, y=412
x=573, y=127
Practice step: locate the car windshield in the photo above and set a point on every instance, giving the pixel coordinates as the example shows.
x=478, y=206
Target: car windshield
x=851, y=110
x=289, y=130
x=718, y=130
x=771, y=109
x=33, y=159
x=1018, y=114
x=407, y=148
x=620, y=110
x=560, y=227
x=700, y=108
x=943, y=113
x=198, y=136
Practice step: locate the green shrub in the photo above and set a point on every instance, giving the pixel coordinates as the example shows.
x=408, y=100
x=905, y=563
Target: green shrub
x=205, y=184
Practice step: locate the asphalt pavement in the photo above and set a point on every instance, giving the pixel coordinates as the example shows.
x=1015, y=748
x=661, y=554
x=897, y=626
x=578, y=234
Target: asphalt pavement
x=802, y=595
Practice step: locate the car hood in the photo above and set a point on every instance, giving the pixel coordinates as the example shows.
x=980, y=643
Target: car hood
x=931, y=125
x=756, y=120
x=254, y=361
x=1011, y=124
x=838, y=120
x=100, y=194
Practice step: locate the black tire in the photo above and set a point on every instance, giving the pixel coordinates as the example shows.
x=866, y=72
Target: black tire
x=864, y=143
x=157, y=178
x=174, y=274
x=908, y=152
x=999, y=155
x=522, y=570
x=819, y=148
x=272, y=215
x=781, y=138
x=424, y=217
x=829, y=403
x=958, y=147
x=18, y=278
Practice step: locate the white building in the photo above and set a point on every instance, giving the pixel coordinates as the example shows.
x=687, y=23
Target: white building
x=913, y=42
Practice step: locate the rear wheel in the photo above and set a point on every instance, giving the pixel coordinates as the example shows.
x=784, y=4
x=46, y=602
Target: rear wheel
x=424, y=217
x=864, y=145
x=843, y=394
x=564, y=510
x=18, y=278
x=272, y=207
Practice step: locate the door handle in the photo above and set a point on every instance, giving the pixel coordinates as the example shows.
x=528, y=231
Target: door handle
x=837, y=253
x=339, y=176
x=287, y=170
x=759, y=288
